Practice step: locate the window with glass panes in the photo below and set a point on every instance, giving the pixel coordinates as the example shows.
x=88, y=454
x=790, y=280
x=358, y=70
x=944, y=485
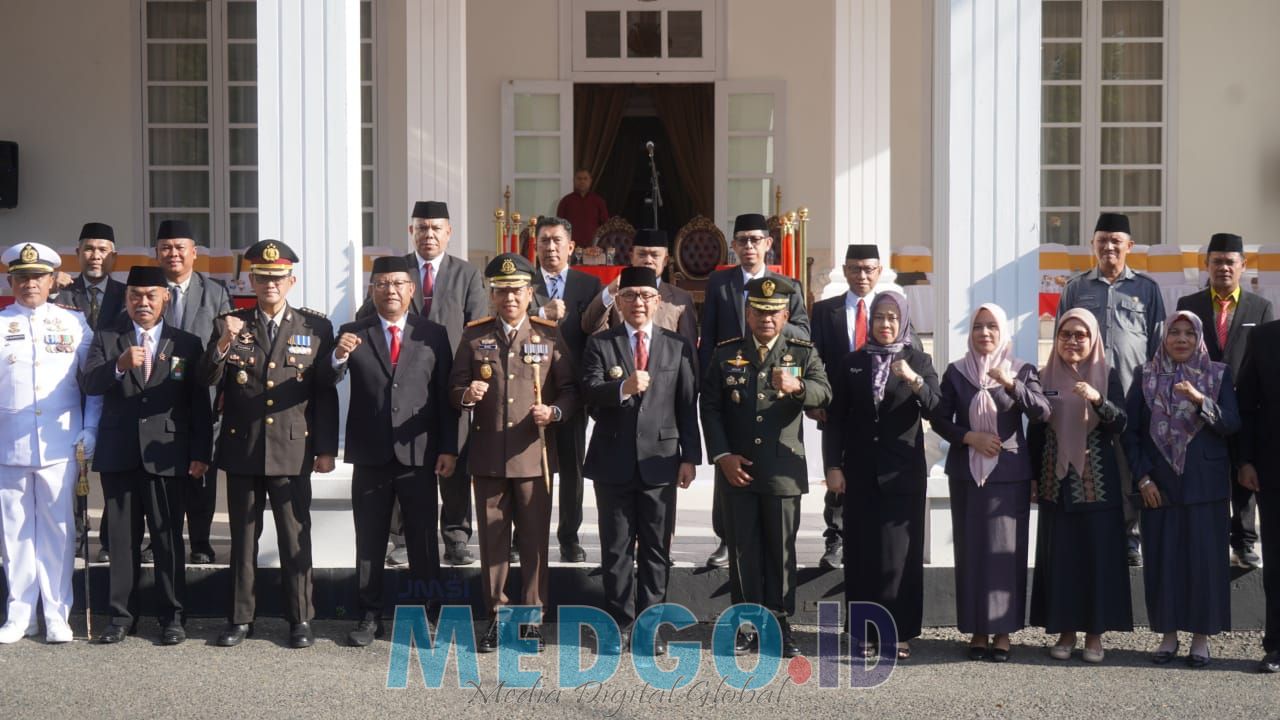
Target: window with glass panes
x=200, y=114
x=1104, y=117
x=651, y=35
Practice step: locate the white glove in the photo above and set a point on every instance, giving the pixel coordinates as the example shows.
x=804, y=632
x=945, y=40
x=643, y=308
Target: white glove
x=88, y=438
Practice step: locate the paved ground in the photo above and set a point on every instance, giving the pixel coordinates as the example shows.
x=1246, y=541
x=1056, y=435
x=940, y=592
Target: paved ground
x=263, y=678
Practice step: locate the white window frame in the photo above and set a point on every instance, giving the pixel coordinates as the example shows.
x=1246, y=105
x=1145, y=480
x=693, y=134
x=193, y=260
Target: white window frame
x=575, y=65
x=1091, y=124
x=510, y=89
x=724, y=89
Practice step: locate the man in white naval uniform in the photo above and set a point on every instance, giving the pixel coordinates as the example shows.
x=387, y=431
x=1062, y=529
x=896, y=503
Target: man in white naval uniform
x=41, y=423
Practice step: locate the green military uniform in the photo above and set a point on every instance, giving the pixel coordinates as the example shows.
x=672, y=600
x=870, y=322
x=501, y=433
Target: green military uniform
x=743, y=414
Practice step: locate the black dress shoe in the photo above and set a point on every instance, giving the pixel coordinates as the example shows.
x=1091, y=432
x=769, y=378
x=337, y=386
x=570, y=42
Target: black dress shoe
x=300, y=635
x=746, y=642
x=513, y=556
x=458, y=554
x=201, y=557
x=104, y=555
x=614, y=647
x=1198, y=661
x=572, y=553
x=534, y=632
x=1270, y=662
x=789, y=647
x=977, y=652
x=1250, y=559
x=489, y=642
x=113, y=634
x=659, y=645
x=1162, y=657
x=365, y=633
x=148, y=557
x=998, y=655
x=833, y=558
x=719, y=558
x=173, y=633
x=235, y=634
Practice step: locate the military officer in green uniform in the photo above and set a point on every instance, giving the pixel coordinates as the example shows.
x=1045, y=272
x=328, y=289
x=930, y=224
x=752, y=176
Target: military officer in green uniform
x=754, y=394
x=276, y=390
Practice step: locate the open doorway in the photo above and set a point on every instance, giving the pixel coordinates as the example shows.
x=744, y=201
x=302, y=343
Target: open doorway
x=612, y=123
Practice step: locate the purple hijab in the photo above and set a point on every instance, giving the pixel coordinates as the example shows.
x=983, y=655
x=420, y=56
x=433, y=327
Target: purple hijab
x=1175, y=420
x=882, y=355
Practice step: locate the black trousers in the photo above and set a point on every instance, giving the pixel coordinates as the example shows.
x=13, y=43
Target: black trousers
x=291, y=508
x=1244, y=524
x=634, y=544
x=201, y=497
x=1269, y=515
x=375, y=492
x=571, y=451
x=455, y=501
x=129, y=497
x=104, y=525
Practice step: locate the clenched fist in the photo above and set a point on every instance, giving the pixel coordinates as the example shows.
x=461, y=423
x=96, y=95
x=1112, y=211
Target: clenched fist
x=785, y=382
x=231, y=327
x=475, y=392
x=554, y=310
x=1088, y=392
x=134, y=357
x=347, y=343
x=637, y=383
x=903, y=371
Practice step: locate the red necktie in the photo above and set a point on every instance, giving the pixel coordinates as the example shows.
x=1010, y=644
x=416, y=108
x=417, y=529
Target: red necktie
x=1224, y=318
x=428, y=287
x=395, y=344
x=860, y=325
x=642, y=353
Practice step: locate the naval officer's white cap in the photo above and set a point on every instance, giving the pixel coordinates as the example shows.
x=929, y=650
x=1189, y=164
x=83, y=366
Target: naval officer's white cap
x=32, y=258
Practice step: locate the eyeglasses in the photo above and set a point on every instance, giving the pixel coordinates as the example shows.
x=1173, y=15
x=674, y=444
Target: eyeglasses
x=1079, y=336
x=862, y=269
x=750, y=239
x=385, y=285
x=637, y=296
x=270, y=279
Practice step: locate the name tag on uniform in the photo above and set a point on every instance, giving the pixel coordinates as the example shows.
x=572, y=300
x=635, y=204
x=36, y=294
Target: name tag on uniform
x=300, y=344
x=1248, y=324
x=1132, y=303
x=487, y=344
x=178, y=368
x=1051, y=393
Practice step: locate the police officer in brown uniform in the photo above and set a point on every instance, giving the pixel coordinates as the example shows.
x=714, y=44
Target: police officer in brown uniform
x=271, y=367
x=493, y=379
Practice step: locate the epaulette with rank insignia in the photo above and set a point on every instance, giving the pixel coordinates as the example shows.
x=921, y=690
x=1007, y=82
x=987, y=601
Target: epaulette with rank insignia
x=800, y=342
x=312, y=313
x=479, y=321
x=543, y=321
x=730, y=340
x=72, y=308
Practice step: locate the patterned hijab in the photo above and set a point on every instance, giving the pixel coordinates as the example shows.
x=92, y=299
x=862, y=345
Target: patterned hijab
x=1071, y=416
x=974, y=366
x=882, y=355
x=1174, y=418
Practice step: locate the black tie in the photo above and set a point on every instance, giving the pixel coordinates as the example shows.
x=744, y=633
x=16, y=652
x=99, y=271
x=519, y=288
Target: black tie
x=271, y=332
x=94, y=307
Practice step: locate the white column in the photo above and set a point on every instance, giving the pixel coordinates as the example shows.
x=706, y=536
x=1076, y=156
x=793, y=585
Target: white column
x=309, y=145
x=862, y=101
x=986, y=167
x=436, y=73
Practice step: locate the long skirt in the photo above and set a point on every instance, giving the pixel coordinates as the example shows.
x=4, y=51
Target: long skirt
x=1188, y=584
x=884, y=554
x=990, y=526
x=1081, y=579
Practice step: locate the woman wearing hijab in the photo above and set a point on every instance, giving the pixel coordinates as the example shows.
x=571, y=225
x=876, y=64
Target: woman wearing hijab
x=984, y=397
x=1182, y=407
x=873, y=450
x=1081, y=579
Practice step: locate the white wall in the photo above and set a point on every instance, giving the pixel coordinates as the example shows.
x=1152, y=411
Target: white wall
x=1226, y=135
x=911, y=136
x=70, y=102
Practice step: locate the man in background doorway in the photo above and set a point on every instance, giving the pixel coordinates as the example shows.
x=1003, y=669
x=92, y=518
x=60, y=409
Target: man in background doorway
x=584, y=209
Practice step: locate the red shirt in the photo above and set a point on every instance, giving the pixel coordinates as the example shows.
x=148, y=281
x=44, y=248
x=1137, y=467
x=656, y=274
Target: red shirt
x=585, y=213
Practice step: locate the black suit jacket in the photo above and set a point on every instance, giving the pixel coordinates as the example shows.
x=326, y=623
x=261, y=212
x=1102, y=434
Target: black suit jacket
x=401, y=413
x=653, y=432
x=112, y=300
x=158, y=426
x=1258, y=392
x=579, y=290
x=879, y=443
x=457, y=298
x=829, y=330
x=1252, y=310
x=206, y=300
x=722, y=317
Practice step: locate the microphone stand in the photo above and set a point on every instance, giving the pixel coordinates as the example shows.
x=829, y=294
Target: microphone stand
x=655, y=191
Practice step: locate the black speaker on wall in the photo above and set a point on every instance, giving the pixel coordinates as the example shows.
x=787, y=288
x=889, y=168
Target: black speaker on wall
x=8, y=174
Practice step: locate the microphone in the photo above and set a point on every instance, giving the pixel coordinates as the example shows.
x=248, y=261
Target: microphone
x=649, y=148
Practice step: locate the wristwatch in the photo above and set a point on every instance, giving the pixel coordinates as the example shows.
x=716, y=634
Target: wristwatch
x=556, y=414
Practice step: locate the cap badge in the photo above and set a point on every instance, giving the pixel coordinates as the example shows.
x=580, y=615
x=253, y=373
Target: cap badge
x=508, y=267
x=271, y=253
x=28, y=255
x=767, y=287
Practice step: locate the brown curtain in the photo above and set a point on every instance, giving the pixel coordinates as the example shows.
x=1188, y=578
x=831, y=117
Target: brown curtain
x=597, y=113
x=687, y=113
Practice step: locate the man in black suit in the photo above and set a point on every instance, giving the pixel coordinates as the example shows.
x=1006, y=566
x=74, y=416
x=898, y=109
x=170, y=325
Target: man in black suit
x=401, y=435
x=449, y=291
x=640, y=378
x=195, y=299
x=1258, y=463
x=101, y=298
x=723, y=319
x=1229, y=315
x=158, y=435
x=561, y=294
